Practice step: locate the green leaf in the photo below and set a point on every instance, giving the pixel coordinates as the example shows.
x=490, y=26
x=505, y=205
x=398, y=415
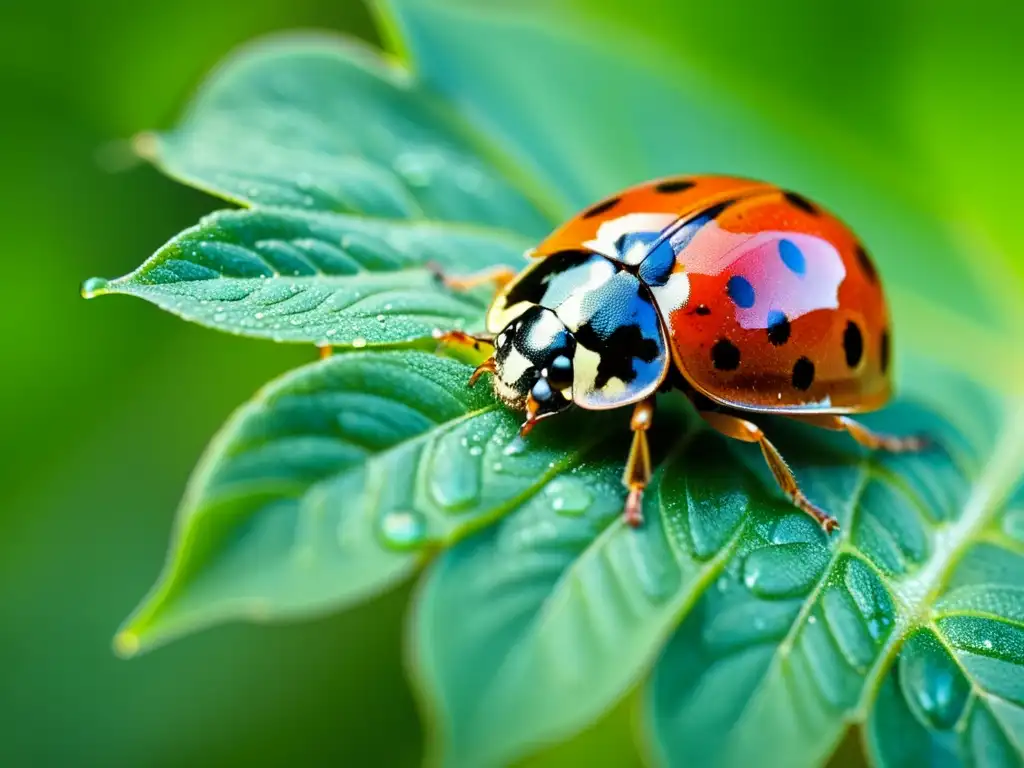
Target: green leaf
x=956, y=690
x=529, y=630
x=332, y=484
x=319, y=277
x=793, y=644
x=325, y=123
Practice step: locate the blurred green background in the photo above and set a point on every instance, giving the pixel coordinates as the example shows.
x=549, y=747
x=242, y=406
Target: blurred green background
x=105, y=406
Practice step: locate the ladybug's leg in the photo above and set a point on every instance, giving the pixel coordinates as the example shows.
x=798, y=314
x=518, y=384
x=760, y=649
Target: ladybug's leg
x=638, y=465
x=473, y=340
x=741, y=429
x=499, y=276
x=865, y=436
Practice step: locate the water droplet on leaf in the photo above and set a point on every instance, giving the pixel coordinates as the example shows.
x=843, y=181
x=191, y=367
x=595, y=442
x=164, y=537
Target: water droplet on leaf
x=1013, y=524
x=94, y=286
x=784, y=570
x=516, y=446
x=569, y=496
x=937, y=687
x=403, y=529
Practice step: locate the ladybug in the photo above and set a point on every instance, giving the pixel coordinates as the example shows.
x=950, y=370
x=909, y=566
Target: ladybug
x=750, y=298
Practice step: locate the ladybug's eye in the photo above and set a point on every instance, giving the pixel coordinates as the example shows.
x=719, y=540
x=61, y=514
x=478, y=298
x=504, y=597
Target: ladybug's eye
x=559, y=372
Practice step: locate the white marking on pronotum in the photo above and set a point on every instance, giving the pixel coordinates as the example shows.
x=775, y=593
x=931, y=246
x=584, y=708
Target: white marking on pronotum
x=609, y=232
x=672, y=296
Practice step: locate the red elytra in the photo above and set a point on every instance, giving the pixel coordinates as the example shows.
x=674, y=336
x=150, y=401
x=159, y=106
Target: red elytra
x=785, y=311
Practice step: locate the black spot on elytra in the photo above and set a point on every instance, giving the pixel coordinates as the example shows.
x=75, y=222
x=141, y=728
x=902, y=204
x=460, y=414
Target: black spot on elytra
x=601, y=207
x=725, y=356
x=866, y=265
x=803, y=374
x=885, y=352
x=673, y=185
x=853, y=344
x=703, y=309
x=740, y=291
x=778, y=328
x=617, y=351
x=801, y=202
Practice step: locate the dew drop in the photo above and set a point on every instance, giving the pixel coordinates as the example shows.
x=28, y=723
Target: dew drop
x=380, y=319
x=987, y=645
x=783, y=570
x=515, y=447
x=94, y=286
x=358, y=342
x=219, y=317
x=476, y=450
x=415, y=167
x=497, y=466
x=259, y=315
x=569, y=496
x=937, y=687
x=403, y=529
x=331, y=331
x=1013, y=524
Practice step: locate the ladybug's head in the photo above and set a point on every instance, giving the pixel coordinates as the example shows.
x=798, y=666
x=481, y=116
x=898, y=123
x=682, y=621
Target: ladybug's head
x=533, y=363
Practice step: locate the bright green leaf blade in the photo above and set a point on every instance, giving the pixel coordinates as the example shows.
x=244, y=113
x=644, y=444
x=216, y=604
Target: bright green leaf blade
x=325, y=123
x=791, y=645
x=319, y=277
x=957, y=687
x=332, y=484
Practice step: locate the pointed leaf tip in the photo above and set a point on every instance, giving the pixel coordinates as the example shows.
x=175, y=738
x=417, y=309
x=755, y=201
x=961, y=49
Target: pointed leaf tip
x=126, y=644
